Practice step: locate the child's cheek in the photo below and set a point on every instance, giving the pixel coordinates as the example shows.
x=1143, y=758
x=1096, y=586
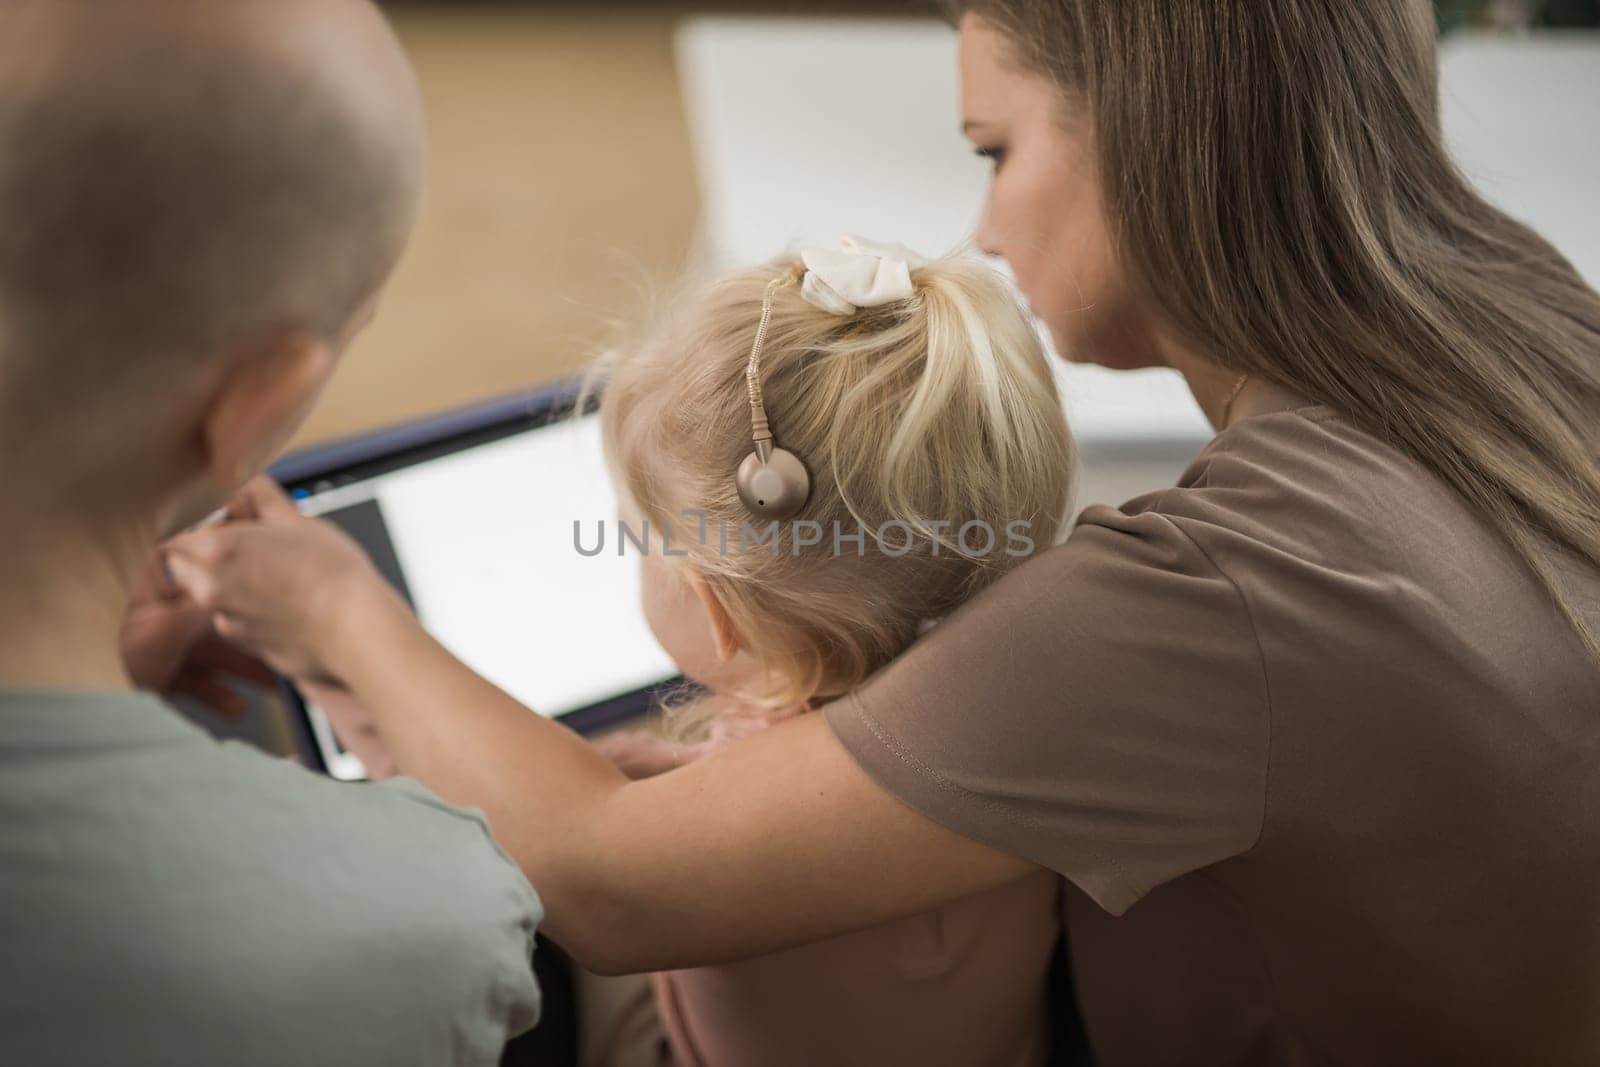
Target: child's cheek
x=678, y=620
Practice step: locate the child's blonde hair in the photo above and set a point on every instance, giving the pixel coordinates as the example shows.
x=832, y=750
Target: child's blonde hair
x=938, y=411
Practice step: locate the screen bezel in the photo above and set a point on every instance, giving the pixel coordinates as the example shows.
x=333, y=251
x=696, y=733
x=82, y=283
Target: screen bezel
x=396, y=447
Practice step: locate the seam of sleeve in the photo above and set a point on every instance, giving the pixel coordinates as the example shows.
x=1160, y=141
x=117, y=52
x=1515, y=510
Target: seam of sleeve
x=923, y=770
x=1261, y=659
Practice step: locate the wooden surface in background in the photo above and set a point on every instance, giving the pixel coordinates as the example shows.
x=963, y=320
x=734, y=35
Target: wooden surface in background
x=561, y=188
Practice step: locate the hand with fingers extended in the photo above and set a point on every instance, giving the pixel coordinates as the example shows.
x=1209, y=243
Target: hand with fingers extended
x=280, y=584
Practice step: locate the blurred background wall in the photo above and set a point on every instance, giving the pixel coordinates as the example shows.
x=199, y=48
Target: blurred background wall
x=584, y=154
x=560, y=185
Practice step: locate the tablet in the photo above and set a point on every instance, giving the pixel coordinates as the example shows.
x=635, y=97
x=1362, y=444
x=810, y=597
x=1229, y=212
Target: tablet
x=476, y=517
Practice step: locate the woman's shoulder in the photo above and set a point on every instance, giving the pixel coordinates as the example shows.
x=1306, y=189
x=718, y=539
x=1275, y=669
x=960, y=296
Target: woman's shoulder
x=1329, y=537
x=1301, y=449
x=1308, y=485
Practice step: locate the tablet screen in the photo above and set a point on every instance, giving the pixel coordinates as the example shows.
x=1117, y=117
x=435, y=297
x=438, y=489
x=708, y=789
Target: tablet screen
x=482, y=542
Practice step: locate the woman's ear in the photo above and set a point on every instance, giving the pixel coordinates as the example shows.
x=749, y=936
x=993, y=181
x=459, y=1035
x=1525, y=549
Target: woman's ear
x=723, y=631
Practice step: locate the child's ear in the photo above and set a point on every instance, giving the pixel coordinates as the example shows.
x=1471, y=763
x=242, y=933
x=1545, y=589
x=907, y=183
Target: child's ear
x=723, y=631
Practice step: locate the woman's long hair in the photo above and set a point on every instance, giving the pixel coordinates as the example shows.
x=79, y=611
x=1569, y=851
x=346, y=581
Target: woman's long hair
x=1282, y=196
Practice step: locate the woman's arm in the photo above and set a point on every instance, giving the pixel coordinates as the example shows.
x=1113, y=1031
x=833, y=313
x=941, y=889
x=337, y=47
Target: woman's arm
x=354, y=726
x=774, y=841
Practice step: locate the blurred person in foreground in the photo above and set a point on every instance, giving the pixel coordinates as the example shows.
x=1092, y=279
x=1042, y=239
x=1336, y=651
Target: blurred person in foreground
x=199, y=204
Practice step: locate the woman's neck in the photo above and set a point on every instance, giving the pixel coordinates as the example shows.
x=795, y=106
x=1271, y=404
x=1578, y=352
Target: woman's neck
x=1226, y=396
x=1216, y=389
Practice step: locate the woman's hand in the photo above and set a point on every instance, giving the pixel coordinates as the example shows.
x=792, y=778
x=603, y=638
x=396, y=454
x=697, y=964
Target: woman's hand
x=638, y=754
x=169, y=646
x=284, y=586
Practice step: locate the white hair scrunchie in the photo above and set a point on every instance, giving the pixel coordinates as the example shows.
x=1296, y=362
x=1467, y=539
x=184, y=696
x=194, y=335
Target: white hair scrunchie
x=859, y=274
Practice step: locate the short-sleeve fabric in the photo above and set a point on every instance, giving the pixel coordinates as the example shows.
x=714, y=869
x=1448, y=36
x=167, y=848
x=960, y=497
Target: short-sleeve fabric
x=1317, y=754
x=1103, y=712
x=168, y=900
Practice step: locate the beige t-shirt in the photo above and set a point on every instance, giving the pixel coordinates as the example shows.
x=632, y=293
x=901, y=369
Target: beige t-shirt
x=1311, y=737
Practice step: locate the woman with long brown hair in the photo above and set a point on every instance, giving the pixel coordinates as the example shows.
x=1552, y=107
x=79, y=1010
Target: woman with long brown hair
x=1311, y=736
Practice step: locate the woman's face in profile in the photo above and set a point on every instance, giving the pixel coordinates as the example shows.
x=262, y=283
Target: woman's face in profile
x=1043, y=214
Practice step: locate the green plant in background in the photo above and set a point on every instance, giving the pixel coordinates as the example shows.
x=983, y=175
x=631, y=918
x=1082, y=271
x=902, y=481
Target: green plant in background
x=1516, y=14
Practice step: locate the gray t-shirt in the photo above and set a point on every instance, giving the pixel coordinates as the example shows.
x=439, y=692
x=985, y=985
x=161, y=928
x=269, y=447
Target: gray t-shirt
x=168, y=900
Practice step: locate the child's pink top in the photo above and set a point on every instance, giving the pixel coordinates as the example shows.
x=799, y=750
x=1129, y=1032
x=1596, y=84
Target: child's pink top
x=964, y=985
